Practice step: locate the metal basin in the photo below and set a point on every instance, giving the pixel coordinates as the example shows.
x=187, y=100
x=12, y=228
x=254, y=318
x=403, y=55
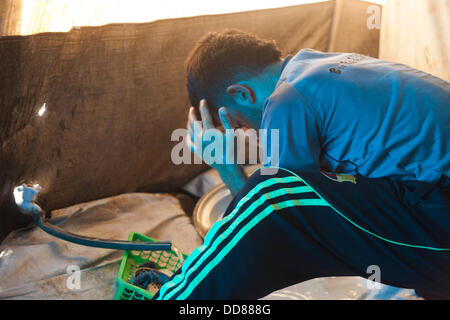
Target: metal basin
x=211, y=207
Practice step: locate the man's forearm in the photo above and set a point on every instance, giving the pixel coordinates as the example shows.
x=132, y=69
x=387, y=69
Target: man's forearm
x=233, y=176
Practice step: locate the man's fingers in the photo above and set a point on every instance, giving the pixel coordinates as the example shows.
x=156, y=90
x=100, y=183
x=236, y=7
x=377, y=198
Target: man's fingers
x=225, y=118
x=192, y=117
x=206, y=116
x=193, y=125
x=190, y=143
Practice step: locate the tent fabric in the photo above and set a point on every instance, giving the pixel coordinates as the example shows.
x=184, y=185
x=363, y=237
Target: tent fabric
x=115, y=93
x=10, y=17
x=349, y=22
x=416, y=33
x=34, y=264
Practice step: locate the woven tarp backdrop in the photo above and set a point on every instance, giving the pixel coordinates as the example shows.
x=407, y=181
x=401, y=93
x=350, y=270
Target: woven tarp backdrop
x=115, y=93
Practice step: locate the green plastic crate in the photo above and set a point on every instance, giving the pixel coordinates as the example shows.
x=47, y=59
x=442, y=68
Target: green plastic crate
x=131, y=259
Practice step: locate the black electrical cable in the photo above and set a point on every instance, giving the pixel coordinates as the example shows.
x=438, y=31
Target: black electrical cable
x=99, y=243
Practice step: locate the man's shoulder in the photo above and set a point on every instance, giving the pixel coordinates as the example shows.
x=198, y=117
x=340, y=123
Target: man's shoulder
x=286, y=103
x=284, y=97
x=311, y=69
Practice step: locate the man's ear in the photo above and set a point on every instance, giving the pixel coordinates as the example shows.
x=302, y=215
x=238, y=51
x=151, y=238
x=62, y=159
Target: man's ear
x=241, y=93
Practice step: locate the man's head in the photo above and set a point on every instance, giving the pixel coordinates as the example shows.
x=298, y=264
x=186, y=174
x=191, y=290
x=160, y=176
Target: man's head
x=233, y=69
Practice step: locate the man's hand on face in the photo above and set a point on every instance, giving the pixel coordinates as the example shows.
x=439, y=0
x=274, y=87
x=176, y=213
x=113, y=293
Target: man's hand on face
x=231, y=173
x=204, y=129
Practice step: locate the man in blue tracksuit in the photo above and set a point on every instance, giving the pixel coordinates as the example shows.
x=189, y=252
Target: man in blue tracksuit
x=361, y=179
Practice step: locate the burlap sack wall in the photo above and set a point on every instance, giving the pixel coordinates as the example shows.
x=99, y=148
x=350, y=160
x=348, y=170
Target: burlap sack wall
x=10, y=17
x=417, y=33
x=114, y=94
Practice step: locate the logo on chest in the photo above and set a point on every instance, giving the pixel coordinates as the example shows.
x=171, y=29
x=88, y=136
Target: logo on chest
x=342, y=64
